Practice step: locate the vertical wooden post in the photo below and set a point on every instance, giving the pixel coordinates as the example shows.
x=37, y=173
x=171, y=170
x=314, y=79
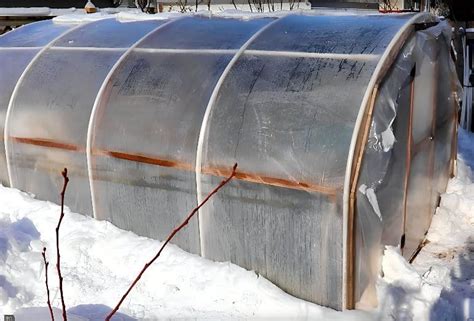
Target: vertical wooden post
x=409, y=149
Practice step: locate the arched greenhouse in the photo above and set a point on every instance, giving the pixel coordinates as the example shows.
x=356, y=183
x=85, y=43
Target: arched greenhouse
x=343, y=128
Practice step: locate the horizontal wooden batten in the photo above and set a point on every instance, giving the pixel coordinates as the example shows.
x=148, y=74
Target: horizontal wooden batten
x=48, y=143
x=214, y=171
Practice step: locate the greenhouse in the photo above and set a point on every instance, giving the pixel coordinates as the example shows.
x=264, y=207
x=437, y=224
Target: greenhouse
x=343, y=128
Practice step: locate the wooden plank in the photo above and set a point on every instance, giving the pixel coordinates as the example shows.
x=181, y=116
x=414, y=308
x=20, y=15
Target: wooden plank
x=350, y=293
x=409, y=152
x=48, y=143
x=331, y=192
x=354, y=173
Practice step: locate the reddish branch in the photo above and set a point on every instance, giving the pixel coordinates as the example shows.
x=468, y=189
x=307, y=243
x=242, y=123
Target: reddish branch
x=169, y=238
x=58, y=264
x=46, y=263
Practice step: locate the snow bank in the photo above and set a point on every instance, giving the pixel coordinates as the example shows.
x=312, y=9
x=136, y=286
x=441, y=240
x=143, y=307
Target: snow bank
x=439, y=285
x=99, y=262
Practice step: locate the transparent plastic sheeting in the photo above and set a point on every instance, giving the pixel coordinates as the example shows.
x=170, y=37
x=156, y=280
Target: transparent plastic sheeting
x=407, y=157
x=162, y=95
x=50, y=113
x=17, y=49
x=149, y=116
x=288, y=120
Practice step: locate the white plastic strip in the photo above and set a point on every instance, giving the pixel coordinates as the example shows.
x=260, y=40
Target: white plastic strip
x=294, y=54
x=59, y=48
x=209, y=107
x=15, y=93
x=189, y=51
x=19, y=48
x=287, y=54
x=98, y=101
x=357, y=127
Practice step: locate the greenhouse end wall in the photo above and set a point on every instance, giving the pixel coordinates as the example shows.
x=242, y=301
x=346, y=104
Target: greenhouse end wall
x=408, y=155
x=149, y=116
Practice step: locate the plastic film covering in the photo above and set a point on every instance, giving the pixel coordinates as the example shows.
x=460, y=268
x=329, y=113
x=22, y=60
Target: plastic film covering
x=135, y=109
x=37, y=34
x=154, y=103
x=283, y=116
x=406, y=163
x=50, y=112
x=17, y=49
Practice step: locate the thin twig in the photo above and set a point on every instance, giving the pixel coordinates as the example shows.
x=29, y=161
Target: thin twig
x=170, y=237
x=46, y=263
x=58, y=264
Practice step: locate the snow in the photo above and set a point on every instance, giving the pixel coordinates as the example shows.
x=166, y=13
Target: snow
x=38, y=11
x=99, y=261
x=90, y=5
x=439, y=285
x=137, y=15
x=81, y=17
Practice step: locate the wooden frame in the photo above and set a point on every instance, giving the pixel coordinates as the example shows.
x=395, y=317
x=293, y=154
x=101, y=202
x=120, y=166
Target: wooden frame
x=331, y=192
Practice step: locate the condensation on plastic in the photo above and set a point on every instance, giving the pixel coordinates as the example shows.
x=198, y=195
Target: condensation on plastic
x=405, y=169
x=108, y=33
x=288, y=118
x=13, y=64
x=330, y=34
x=37, y=34
x=17, y=49
x=205, y=33
x=52, y=109
x=162, y=95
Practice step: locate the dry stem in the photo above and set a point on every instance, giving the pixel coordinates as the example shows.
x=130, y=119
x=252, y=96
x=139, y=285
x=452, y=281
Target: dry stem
x=58, y=264
x=46, y=263
x=169, y=238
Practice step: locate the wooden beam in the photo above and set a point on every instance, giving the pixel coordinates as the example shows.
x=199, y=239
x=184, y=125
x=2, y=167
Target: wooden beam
x=331, y=192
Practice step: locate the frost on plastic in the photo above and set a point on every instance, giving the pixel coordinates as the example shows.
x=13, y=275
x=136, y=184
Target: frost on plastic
x=408, y=152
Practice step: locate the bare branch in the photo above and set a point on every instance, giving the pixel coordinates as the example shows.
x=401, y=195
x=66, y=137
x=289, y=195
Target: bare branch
x=169, y=238
x=46, y=263
x=58, y=263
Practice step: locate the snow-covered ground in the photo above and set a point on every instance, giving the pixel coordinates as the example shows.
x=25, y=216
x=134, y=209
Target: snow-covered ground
x=439, y=285
x=99, y=261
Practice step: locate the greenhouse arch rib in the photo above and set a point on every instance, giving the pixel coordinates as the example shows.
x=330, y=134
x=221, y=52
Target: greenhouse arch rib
x=351, y=176
x=17, y=86
x=209, y=106
x=98, y=101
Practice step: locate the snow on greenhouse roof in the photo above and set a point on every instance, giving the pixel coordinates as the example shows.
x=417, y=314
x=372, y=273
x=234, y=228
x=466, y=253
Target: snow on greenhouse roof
x=75, y=18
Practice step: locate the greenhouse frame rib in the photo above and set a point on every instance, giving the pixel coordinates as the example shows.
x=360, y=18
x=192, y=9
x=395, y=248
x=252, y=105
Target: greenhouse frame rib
x=355, y=149
x=98, y=100
x=17, y=86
